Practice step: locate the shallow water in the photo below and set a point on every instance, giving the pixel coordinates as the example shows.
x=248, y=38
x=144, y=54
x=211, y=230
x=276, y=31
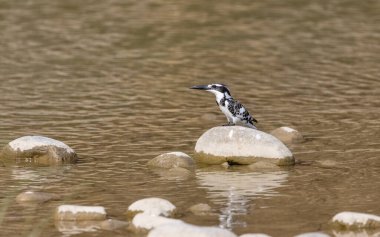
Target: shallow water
x=111, y=78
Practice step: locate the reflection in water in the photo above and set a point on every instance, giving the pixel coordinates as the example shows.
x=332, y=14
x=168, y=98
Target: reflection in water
x=68, y=228
x=235, y=189
x=25, y=174
x=40, y=174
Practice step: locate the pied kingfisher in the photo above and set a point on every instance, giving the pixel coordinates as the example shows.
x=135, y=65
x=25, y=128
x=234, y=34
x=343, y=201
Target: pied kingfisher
x=233, y=109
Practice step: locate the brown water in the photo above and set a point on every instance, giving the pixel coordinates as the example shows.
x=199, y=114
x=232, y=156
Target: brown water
x=110, y=79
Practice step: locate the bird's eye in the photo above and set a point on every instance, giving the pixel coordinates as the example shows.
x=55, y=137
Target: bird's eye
x=213, y=86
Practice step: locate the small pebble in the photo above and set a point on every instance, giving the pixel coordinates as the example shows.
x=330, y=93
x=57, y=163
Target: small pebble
x=288, y=135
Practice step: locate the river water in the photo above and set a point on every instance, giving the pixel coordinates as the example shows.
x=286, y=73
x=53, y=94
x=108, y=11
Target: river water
x=110, y=79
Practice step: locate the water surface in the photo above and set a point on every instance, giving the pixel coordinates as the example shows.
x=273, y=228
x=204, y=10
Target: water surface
x=111, y=78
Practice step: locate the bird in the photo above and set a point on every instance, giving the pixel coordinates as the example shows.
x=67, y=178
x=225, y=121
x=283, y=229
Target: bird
x=235, y=112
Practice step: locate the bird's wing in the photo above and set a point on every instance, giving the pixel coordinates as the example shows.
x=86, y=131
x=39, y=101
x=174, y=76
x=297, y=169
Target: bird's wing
x=238, y=110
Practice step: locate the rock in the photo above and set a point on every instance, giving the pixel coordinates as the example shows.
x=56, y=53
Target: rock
x=240, y=145
x=177, y=173
x=200, y=209
x=144, y=222
x=172, y=160
x=187, y=230
x=288, y=135
x=313, y=234
x=111, y=224
x=151, y=206
x=80, y=213
x=356, y=220
x=39, y=150
x=36, y=197
x=255, y=235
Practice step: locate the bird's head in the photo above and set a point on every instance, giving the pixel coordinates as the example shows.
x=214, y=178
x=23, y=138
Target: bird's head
x=219, y=90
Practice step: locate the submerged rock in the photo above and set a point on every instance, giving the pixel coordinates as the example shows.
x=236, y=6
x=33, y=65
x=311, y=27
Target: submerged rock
x=144, y=222
x=187, y=230
x=172, y=160
x=36, y=197
x=80, y=213
x=39, y=150
x=356, y=220
x=288, y=135
x=177, y=173
x=200, y=209
x=151, y=206
x=240, y=145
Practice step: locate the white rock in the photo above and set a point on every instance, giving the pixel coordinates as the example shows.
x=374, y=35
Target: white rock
x=152, y=206
x=38, y=149
x=241, y=145
x=76, y=213
x=288, y=135
x=172, y=160
x=356, y=220
x=30, y=142
x=255, y=235
x=144, y=221
x=187, y=230
x=312, y=234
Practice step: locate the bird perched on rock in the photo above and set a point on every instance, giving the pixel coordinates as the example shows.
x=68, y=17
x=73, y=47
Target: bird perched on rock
x=233, y=109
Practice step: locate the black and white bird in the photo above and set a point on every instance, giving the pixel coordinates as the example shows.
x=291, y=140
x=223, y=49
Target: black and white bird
x=235, y=112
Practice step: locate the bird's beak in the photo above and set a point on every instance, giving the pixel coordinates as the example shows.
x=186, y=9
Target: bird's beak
x=200, y=87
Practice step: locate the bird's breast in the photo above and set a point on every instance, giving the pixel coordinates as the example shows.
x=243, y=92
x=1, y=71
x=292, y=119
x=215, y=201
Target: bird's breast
x=225, y=110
